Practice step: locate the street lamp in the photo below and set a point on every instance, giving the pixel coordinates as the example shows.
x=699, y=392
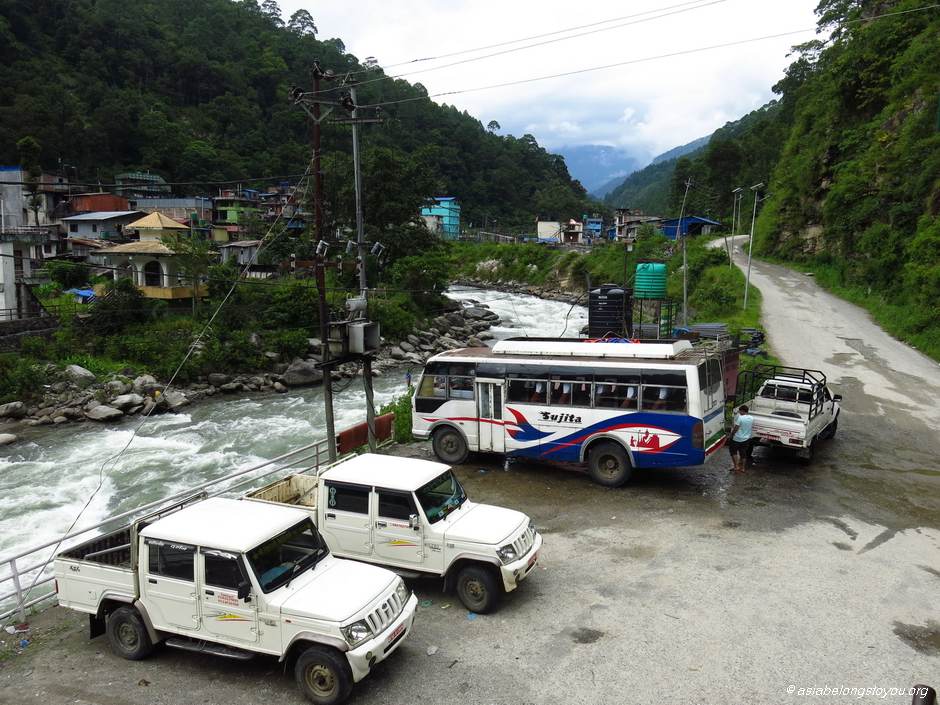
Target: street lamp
x=737, y=195
x=750, y=245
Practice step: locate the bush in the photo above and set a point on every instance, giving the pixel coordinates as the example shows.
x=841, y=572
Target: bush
x=20, y=378
x=67, y=275
x=289, y=343
x=401, y=407
x=395, y=315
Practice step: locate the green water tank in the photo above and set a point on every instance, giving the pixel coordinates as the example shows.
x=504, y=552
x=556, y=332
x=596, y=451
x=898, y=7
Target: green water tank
x=650, y=281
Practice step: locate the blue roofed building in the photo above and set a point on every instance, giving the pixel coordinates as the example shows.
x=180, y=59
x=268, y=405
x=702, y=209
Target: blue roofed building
x=442, y=215
x=688, y=225
x=593, y=228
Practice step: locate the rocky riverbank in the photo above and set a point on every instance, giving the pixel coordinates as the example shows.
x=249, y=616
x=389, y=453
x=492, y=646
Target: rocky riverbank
x=75, y=394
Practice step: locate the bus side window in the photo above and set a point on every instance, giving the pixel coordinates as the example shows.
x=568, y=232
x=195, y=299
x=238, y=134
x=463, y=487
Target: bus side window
x=660, y=398
x=519, y=390
x=433, y=386
x=538, y=393
x=461, y=387
x=560, y=393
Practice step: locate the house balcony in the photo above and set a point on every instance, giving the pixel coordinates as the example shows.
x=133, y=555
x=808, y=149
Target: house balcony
x=172, y=292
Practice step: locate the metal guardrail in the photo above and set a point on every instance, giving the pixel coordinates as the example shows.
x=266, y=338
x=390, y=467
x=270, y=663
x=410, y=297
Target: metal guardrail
x=22, y=577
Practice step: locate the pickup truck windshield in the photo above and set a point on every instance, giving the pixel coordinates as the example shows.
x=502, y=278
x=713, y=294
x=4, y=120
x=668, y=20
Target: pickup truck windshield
x=286, y=555
x=441, y=496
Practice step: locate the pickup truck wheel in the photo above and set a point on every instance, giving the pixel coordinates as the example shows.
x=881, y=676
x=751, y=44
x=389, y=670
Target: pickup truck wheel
x=449, y=446
x=477, y=589
x=833, y=427
x=323, y=676
x=127, y=634
x=807, y=454
x=608, y=464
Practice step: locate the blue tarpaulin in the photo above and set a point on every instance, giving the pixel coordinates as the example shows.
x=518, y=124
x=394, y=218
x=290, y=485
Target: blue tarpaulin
x=82, y=295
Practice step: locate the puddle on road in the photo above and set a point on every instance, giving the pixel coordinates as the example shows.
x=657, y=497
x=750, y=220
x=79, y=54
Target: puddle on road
x=586, y=636
x=925, y=639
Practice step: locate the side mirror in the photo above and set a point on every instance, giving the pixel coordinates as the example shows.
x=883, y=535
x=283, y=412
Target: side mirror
x=837, y=397
x=244, y=591
x=414, y=522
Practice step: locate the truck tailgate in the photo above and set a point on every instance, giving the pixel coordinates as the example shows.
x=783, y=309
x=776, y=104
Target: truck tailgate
x=785, y=430
x=83, y=584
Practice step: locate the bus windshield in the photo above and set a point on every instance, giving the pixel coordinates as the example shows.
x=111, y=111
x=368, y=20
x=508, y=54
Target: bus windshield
x=441, y=496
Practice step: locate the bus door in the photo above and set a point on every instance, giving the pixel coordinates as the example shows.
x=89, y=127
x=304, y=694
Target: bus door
x=490, y=414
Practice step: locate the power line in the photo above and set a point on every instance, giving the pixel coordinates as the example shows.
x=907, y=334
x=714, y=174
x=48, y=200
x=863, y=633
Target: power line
x=552, y=41
x=523, y=39
x=628, y=62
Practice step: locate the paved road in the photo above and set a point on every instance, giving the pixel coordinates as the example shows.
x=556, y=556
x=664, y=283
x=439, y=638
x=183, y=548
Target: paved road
x=891, y=418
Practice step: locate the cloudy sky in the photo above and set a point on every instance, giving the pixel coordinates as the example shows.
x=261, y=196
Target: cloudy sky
x=644, y=108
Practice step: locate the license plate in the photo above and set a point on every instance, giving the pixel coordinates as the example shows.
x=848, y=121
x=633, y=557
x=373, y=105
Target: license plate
x=395, y=634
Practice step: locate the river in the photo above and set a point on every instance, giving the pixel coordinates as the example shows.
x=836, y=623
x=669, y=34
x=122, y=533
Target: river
x=46, y=478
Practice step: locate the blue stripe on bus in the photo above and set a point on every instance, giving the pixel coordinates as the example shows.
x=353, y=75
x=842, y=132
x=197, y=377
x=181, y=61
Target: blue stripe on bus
x=715, y=413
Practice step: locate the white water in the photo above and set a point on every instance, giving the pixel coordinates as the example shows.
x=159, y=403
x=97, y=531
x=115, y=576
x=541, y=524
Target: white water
x=46, y=478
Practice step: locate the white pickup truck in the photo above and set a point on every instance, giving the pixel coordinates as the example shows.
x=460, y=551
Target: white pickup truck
x=414, y=517
x=238, y=579
x=792, y=407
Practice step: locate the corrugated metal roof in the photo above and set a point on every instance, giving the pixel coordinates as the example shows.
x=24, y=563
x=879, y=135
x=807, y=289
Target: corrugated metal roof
x=104, y=215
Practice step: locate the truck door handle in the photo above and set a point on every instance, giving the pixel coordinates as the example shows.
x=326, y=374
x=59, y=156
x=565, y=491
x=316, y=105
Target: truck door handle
x=381, y=524
x=152, y=580
x=210, y=592
x=330, y=516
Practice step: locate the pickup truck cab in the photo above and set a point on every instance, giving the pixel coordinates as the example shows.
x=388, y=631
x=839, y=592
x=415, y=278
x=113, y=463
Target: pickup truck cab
x=238, y=579
x=793, y=408
x=414, y=517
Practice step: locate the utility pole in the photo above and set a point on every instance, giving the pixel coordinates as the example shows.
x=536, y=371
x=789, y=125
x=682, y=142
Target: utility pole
x=685, y=258
x=324, y=315
x=354, y=121
x=750, y=244
x=363, y=285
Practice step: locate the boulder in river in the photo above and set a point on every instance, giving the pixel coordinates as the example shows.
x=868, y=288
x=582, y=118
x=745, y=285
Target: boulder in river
x=145, y=384
x=117, y=387
x=125, y=401
x=302, y=372
x=175, y=400
x=217, y=379
x=7, y=438
x=79, y=375
x=104, y=413
x=13, y=410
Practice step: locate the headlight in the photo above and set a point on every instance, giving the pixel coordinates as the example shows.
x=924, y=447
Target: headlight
x=507, y=554
x=402, y=592
x=357, y=632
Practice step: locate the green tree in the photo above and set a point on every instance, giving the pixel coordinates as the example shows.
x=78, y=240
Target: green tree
x=301, y=22
x=29, y=151
x=194, y=255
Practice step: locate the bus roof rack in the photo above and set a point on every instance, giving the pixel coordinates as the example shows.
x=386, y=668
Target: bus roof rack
x=593, y=347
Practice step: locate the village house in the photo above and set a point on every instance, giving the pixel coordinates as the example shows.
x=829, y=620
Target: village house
x=151, y=265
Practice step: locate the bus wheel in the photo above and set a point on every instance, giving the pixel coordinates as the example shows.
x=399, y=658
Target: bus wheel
x=608, y=464
x=449, y=446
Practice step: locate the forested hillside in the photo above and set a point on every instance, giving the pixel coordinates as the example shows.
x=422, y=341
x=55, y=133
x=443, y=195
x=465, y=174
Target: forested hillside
x=857, y=187
x=850, y=155
x=197, y=91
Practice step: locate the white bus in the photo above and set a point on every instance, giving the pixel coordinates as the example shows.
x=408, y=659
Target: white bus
x=615, y=405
